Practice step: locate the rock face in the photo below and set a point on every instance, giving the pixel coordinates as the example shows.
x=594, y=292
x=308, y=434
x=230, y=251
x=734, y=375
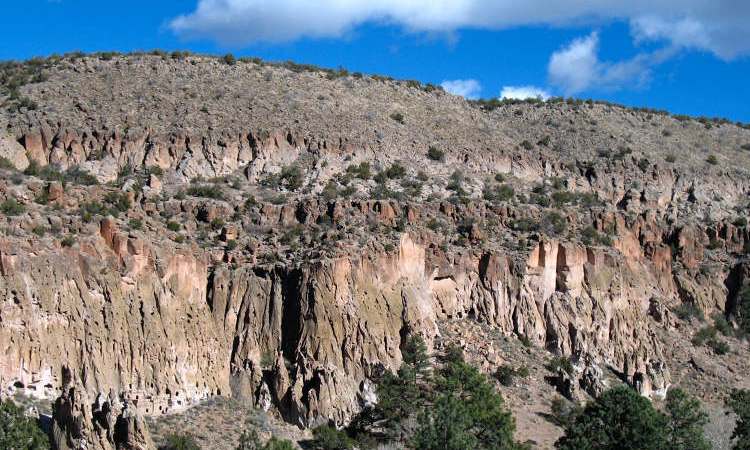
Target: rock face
x=169, y=333
x=104, y=424
x=287, y=272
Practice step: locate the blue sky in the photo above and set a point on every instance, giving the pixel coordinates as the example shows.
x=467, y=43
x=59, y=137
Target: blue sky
x=638, y=52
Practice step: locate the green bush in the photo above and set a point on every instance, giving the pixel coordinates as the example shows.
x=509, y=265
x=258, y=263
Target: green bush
x=278, y=444
x=118, y=202
x=173, y=226
x=398, y=117
x=229, y=59
x=712, y=160
x=11, y=207
x=6, y=164
x=329, y=438
x=564, y=412
x=560, y=363
x=740, y=222
x=722, y=325
x=553, y=224
x=739, y=402
x=292, y=177
x=743, y=309
x=703, y=335
x=623, y=419
x=436, y=154
x=526, y=145
x=685, y=422
x=206, y=191
x=619, y=419
x=688, y=311
x=180, y=442
x=719, y=347
x=68, y=241
x=402, y=394
x=18, y=432
x=467, y=413
x=361, y=171
x=498, y=193
x=507, y=375
x=396, y=170
x=135, y=224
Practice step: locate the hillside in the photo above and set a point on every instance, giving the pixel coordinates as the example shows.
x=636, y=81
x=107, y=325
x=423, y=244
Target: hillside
x=176, y=229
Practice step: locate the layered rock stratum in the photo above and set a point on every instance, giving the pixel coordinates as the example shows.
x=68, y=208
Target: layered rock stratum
x=238, y=241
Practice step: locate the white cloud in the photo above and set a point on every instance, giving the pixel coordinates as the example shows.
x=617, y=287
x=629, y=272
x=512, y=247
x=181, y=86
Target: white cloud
x=470, y=89
x=717, y=26
x=523, y=92
x=577, y=67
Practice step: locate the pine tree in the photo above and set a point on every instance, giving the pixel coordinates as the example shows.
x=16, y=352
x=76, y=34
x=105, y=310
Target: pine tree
x=619, y=419
x=18, y=432
x=685, y=421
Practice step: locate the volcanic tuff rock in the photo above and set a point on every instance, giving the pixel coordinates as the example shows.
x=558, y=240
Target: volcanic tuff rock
x=237, y=243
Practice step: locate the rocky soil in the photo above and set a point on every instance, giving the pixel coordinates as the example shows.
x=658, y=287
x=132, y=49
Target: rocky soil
x=178, y=230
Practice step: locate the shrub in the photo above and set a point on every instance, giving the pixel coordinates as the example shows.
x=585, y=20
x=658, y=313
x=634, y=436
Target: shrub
x=712, y=160
x=118, y=201
x=703, y=335
x=278, y=444
x=506, y=375
x=19, y=432
x=361, y=171
x=685, y=422
x=217, y=223
x=396, y=170
x=400, y=395
x=6, y=164
x=135, y=224
x=526, y=145
x=180, y=442
x=719, y=347
x=670, y=158
x=398, y=117
x=292, y=177
x=743, y=309
x=173, y=226
x=688, y=311
x=564, y=412
x=545, y=141
x=455, y=183
x=524, y=225
x=740, y=222
x=11, y=207
x=620, y=418
x=553, y=224
x=206, y=191
x=68, y=241
x=498, y=193
x=560, y=363
x=467, y=413
x=436, y=154
x=722, y=325
x=739, y=402
x=329, y=438
x=76, y=175
x=229, y=59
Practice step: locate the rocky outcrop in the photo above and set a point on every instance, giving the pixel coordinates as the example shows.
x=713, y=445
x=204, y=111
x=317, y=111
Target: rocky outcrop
x=104, y=424
x=162, y=328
